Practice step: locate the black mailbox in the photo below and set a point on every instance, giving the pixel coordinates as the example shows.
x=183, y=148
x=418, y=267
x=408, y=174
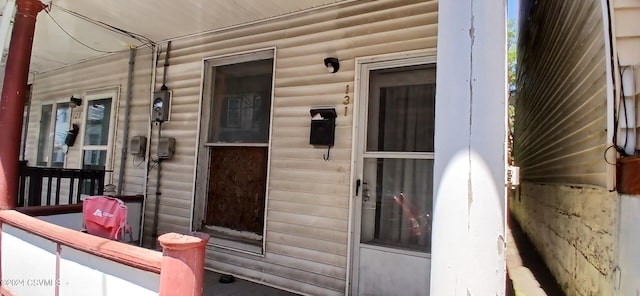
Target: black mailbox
x=323, y=126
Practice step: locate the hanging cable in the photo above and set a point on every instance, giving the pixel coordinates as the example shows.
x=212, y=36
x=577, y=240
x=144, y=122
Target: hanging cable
x=616, y=109
x=74, y=38
x=624, y=106
x=166, y=65
x=140, y=38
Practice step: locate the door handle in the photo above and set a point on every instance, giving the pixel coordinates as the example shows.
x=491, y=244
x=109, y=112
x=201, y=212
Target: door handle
x=358, y=182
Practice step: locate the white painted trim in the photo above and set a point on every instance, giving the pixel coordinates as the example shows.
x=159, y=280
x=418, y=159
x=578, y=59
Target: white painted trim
x=236, y=246
x=52, y=126
x=387, y=60
x=113, y=93
x=192, y=214
x=269, y=151
x=353, y=177
x=613, y=87
x=242, y=56
x=396, y=251
x=360, y=91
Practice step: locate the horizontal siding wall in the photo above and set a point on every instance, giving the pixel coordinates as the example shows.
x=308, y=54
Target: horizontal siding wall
x=560, y=125
x=105, y=73
x=627, y=32
x=308, y=201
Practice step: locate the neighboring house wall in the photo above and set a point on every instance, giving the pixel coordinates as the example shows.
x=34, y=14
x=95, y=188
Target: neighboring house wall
x=560, y=138
x=574, y=228
x=627, y=46
x=107, y=72
x=561, y=94
x=308, y=202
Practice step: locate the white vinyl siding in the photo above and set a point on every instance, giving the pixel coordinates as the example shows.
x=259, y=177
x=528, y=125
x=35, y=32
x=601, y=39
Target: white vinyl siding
x=627, y=32
x=106, y=73
x=561, y=115
x=308, y=198
x=627, y=45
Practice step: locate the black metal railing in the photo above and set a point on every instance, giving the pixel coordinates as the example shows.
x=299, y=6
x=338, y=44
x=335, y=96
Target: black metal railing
x=38, y=184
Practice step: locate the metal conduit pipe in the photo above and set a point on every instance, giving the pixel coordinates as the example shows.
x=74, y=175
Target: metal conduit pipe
x=157, y=199
x=154, y=66
x=127, y=115
x=158, y=168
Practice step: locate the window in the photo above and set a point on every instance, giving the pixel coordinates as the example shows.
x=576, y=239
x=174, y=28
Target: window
x=55, y=122
x=240, y=113
x=236, y=131
x=398, y=159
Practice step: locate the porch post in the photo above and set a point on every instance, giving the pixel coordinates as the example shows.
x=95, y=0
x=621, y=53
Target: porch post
x=469, y=221
x=13, y=95
x=182, y=270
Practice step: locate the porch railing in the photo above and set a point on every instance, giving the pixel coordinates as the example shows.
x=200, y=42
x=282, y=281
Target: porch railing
x=38, y=184
x=39, y=258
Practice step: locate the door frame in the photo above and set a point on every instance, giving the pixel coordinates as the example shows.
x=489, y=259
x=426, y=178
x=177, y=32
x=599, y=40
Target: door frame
x=98, y=94
x=363, y=65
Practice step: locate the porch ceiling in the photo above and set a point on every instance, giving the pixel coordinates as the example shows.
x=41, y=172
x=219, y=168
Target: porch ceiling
x=156, y=20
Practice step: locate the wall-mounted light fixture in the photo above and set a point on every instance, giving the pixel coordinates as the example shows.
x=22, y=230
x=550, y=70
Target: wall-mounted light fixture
x=332, y=64
x=74, y=102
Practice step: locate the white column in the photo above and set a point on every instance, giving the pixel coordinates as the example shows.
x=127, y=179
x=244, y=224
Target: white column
x=468, y=248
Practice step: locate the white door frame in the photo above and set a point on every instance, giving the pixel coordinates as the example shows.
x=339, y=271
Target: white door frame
x=112, y=93
x=363, y=66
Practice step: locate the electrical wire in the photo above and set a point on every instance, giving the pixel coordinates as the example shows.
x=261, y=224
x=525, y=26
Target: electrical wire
x=616, y=109
x=140, y=38
x=74, y=38
x=621, y=108
x=624, y=104
x=605, y=155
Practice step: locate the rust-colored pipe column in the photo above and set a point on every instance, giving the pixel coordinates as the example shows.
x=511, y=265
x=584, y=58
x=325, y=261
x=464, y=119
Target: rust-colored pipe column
x=12, y=102
x=182, y=269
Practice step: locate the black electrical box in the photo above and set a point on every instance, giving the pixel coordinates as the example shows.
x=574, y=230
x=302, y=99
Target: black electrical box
x=323, y=126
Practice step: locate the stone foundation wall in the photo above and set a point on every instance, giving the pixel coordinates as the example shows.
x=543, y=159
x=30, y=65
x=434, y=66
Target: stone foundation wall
x=574, y=228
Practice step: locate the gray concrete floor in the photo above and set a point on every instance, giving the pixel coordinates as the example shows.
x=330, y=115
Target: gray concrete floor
x=238, y=288
x=528, y=274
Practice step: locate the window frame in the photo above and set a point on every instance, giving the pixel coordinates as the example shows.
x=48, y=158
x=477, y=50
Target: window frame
x=204, y=145
x=51, y=132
